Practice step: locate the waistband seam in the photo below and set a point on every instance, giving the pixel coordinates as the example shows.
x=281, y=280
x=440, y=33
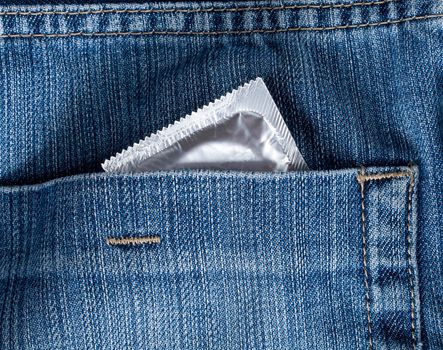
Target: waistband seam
x=199, y=10
x=251, y=31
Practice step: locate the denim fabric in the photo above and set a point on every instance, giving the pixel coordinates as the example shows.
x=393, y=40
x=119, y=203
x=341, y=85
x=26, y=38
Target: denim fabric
x=245, y=261
x=346, y=256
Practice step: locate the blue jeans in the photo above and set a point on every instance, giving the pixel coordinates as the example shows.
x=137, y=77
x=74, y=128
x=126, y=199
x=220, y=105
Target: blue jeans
x=345, y=256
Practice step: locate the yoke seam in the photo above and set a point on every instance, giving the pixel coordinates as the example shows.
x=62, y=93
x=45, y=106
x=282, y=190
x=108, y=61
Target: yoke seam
x=361, y=179
x=199, y=10
x=252, y=31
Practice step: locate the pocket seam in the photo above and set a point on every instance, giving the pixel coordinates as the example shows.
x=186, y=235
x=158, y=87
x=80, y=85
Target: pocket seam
x=361, y=179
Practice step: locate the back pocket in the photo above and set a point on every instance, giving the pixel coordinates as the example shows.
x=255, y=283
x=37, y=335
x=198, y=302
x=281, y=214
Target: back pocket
x=223, y=260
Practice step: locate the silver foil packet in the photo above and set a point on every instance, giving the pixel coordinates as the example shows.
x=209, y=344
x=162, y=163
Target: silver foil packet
x=242, y=130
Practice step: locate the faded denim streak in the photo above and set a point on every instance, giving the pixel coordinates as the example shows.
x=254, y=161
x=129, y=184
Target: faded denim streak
x=346, y=256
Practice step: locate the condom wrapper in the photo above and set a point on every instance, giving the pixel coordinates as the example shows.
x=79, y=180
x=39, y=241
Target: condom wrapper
x=242, y=130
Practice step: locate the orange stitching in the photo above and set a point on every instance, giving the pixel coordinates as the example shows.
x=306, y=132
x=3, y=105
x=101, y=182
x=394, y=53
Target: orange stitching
x=361, y=178
x=365, y=260
x=133, y=240
x=254, y=31
x=411, y=284
x=381, y=176
x=201, y=10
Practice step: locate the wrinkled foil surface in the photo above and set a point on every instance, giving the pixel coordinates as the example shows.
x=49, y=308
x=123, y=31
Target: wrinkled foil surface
x=242, y=131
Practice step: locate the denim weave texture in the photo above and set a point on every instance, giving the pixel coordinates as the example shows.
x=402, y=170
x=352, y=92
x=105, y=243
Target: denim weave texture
x=347, y=255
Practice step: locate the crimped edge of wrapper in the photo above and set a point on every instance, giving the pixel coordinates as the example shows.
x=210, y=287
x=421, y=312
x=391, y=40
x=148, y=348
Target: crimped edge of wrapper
x=252, y=97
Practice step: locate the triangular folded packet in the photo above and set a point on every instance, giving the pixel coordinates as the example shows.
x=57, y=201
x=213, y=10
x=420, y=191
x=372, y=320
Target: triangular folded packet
x=242, y=130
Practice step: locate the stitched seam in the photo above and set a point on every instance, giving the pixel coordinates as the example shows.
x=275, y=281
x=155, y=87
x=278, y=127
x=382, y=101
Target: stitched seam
x=253, y=31
x=201, y=10
x=411, y=283
x=351, y=26
x=365, y=260
x=362, y=178
x=381, y=176
x=133, y=240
